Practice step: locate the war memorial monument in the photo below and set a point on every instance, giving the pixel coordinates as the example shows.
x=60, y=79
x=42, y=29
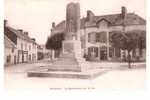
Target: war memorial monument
x=70, y=64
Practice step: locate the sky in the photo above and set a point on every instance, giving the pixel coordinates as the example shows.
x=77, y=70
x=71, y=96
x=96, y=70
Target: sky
x=36, y=16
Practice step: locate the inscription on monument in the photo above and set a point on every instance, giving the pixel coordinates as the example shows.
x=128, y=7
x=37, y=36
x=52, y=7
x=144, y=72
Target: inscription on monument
x=68, y=47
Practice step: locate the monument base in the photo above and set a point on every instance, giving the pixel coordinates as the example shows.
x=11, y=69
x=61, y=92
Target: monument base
x=43, y=72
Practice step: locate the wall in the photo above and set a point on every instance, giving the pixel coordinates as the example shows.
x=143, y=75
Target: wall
x=8, y=52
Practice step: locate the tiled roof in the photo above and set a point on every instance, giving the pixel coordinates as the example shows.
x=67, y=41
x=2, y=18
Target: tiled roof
x=8, y=43
x=20, y=34
x=114, y=19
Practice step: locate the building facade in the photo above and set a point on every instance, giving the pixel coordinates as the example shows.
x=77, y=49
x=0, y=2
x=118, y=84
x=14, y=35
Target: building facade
x=10, y=51
x=44, y=53
x=96, y=34
x=26, y=47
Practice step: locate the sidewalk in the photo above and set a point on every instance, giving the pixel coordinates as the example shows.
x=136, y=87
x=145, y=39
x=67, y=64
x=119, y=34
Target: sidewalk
x=23, y=67
x=118, y=65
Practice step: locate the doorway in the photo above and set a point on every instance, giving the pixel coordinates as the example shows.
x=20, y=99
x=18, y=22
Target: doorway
x=15, y=60
x=103, y=53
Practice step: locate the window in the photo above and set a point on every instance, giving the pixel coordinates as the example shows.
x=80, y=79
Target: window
x=103, y=37
x=89, y=51
x=111, y=51
x=12, y=50
x=93, y=51
x=96, y=51
x=103, y=53
x=117, y=52
x=21, y=46
x=97, y=37
x=8, y=59
x=100, y=37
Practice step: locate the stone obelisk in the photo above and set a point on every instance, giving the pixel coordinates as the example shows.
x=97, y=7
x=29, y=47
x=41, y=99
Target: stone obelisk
x=73, y=21
x=72, y=43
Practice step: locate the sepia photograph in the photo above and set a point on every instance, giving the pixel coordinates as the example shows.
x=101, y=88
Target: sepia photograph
x=74, y=45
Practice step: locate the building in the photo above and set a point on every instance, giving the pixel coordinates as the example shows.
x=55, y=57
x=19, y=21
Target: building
x=10, y=51
x=43, y=53
x=96, y=31
x=26, y=47
x=40, y=54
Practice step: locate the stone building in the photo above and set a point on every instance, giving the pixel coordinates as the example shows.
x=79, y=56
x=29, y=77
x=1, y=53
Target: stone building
x=96, y=30
x=26, y=47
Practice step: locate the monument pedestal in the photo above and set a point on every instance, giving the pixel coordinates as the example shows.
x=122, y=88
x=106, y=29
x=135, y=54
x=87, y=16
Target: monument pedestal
x=71, y=58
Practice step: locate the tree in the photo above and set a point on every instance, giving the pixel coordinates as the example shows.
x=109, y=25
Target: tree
x=128, y=41
x=54, y=42
x=40, y=55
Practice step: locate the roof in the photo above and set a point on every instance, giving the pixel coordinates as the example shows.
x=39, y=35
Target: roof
x=20, y=34
x=8, y=43
x=114, y=19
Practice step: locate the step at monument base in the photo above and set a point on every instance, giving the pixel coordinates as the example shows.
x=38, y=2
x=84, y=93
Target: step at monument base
x=43, y=72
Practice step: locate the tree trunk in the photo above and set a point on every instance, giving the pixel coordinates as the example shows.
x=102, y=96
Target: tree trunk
x=53, y=54
x=129, y=59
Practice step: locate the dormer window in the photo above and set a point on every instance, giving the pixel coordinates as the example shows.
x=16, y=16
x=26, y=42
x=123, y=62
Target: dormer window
x=102, y=23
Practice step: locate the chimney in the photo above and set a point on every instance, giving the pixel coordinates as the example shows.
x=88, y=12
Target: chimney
x=33, y=39
x=26, y=33
x=90, y=15
x=123, y=12
x=20, y=30
x=53, y=25
x=5, y=23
